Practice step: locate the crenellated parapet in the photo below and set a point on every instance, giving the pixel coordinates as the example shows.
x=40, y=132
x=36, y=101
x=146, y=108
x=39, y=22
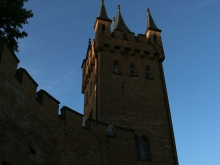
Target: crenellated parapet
x=32, y=132
x=20, y=82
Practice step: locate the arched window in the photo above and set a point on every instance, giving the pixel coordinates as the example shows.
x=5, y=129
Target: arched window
x=147, y=72
x=103, y=29
x=143, y=149
x=132, y=69
x=116, y=68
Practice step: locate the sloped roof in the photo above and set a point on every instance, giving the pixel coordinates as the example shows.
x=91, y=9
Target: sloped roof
x=150, y=22
x=103, y=13
x=119, y=23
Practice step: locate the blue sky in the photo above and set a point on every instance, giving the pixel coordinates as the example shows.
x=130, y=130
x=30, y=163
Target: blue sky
x=58, y=39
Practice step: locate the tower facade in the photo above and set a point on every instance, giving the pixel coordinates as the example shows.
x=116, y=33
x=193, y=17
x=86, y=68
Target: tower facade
x=123, y=85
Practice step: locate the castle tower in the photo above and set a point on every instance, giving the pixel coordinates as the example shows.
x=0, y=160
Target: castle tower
x=123, y=85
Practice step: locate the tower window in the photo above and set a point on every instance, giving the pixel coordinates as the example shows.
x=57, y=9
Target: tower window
x=111, y=131
x=148, y=72
x=155, y=39
x=103, y=29
x=116, y=67
x=124, y=36
x=142, y=148
x=132, y=70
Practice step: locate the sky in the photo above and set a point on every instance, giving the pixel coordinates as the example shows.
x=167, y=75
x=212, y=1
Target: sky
x=57, y=43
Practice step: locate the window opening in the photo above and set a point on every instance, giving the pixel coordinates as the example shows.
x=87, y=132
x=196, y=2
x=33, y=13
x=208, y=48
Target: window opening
x=116, y=67
x=143, y=148
x=103, y=29
x=124, y=36
x=132, y=70
x=148, y=71
x=111, y=130
x=155, y=39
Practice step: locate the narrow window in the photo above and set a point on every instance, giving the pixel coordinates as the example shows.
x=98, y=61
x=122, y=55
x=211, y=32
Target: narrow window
x=143, y=148
x=148, y=72
x=111, y=130
x=132, y=70
x=103, y=29
x=115, y=67
x=124, y=36
x=155, y=39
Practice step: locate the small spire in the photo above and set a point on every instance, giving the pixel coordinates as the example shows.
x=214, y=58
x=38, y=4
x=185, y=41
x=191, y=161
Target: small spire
x=89, y=40
x=103, y=13
x=119, y=23
x=119, y=6
x=150, y=22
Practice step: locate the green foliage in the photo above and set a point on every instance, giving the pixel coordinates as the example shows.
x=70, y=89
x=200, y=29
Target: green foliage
x=12, y=17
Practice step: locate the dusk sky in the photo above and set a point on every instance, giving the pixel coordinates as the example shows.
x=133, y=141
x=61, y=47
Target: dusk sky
x=57, y=43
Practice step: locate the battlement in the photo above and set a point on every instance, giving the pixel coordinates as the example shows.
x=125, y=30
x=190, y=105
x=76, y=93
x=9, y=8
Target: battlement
x=8, y=60
x=32, y=132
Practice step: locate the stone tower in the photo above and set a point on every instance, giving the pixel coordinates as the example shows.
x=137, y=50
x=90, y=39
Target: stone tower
x=123, y=85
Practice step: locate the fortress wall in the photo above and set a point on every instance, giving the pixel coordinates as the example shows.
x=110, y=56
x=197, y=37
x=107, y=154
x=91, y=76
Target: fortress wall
x=32, y=133
x=8, y=60
x=28, y=84
x=48, y=101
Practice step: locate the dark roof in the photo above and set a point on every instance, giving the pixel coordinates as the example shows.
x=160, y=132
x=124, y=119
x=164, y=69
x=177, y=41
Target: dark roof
x=119, y=23
x=150, y=22
x=103, y=13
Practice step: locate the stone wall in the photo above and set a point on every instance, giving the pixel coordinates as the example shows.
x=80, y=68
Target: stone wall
x=32, y=133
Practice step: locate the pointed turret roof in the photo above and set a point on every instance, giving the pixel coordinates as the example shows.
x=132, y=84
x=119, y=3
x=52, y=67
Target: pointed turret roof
x=119, y=23
x=150, y=22
x=103, y=13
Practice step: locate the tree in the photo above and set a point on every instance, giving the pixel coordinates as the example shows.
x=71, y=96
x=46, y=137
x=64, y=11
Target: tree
x=12, y=17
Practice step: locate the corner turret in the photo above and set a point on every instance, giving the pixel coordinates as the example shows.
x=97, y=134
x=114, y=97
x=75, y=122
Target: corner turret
x=102, y=23
x=150, y=22
x=153, y=34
